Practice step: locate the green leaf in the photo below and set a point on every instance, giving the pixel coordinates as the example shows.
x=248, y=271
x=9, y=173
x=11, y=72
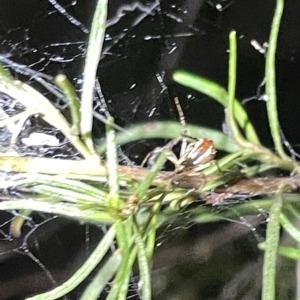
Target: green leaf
x=218, y=93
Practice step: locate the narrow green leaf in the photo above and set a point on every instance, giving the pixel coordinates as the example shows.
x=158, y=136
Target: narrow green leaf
x=144, y=265
x=143, y=187
x=270, y=256
x=289, y=252
x=270, y=73
x=62, y=81
x=171, y=130
x=95, y=288
x=232, y=102
x=112, y=165
x=218, y=93
x=292, y=230
x=81, y=274
x=92, y=58
x=63, y=209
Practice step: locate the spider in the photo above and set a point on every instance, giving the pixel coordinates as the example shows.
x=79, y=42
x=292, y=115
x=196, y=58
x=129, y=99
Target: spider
x=195, y=154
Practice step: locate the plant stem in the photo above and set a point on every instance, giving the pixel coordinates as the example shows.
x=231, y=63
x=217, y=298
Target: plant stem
x=93, y=55
x=171, y=130
x=270, y=74
x=95, y=258
x=270, y=256
x=231, y=92
x=144, y=264
x=62, y=81
x=215, y=91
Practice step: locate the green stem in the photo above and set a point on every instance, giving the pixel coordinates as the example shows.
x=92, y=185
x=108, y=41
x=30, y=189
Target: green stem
x=51, y=166
x=215, y=91
x=36, y=102
x=90, y=69
x=270, y=74
x=112, y=166
x=231, y=92
x=171, y=130
x=144, y=267
x=63, y=209
x=270, y=255
x=102, y=278
x=85, y=270
x=62, y=81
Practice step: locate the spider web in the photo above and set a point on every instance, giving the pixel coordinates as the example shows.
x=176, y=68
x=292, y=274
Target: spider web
x=144, y=43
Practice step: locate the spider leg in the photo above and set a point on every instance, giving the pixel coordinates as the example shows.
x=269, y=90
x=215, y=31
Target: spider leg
x=174, y=160
x=183, y=148
x=180, y=112
x=151, y=157
x=171, y=144
x=183, y=123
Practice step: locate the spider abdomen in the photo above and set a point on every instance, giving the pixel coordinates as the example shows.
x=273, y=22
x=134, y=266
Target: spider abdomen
x=198, y=155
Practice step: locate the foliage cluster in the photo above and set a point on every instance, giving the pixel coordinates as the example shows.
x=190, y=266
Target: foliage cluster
x=130, y=200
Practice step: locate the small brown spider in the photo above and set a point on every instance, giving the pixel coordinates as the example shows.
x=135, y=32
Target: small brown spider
x=195, y=155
